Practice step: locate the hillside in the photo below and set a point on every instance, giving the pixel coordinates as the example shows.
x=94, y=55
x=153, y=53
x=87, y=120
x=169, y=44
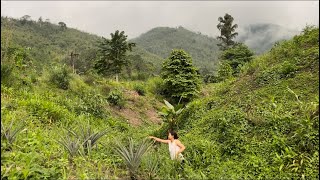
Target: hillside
x=162, y=40
x=49, y=43
x=56, y=124
x=261, y=37
x=262, y=125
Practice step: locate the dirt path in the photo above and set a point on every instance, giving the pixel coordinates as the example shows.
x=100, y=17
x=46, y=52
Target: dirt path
x=138, y=110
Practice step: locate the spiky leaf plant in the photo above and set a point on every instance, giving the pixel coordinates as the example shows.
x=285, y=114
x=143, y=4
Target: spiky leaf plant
x=90, y=138
x=10, y=133
x=132, y=154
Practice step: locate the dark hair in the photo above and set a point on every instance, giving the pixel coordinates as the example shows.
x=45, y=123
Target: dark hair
x=173, y=133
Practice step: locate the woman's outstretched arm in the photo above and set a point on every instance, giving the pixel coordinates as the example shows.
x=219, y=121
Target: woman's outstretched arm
x=159, y=140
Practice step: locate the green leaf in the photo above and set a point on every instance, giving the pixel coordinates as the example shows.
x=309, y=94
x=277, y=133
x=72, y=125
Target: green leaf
x=168, y=105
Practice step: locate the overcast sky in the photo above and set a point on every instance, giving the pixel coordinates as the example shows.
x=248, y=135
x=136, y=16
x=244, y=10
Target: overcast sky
x=136, y=17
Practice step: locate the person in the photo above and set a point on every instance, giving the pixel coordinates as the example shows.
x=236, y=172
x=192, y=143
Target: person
x=175, y=146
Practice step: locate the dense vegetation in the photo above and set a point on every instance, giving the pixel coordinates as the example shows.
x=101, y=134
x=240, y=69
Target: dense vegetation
x=262, y=124
x=49, y=43
x=181, y=80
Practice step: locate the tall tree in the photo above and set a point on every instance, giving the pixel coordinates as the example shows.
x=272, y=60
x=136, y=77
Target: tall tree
x=24, y=19
x=62, y=25
x=181, y=78
x=227, y=32
x=112, y=54
x=40, y=21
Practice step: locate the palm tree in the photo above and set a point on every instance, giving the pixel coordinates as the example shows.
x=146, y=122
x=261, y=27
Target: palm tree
x=113, y=54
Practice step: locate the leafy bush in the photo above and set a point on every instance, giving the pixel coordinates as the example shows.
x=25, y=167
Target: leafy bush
x=60, y=77
x=46, y=111
x=211, y=78
x=156, y=86
x=224, y=72
x=267, y=76
x=91, y=103
x=116, y=98
x=140, y=89
x=237, y=56
x=287, y=69
x=7, y=74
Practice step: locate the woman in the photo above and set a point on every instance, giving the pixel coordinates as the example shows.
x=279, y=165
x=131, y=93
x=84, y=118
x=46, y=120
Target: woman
x=175, y=146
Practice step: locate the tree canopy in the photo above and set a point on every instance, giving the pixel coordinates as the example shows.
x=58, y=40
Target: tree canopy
x=112, y=54
x=181, y=78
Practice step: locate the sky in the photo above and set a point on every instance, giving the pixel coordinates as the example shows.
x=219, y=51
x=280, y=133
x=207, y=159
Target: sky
x=137, y=17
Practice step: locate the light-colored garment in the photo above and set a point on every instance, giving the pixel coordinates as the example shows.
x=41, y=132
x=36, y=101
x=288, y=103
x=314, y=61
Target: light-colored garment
x=173, y=149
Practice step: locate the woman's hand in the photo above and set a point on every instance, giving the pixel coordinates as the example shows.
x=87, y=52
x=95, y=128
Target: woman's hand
x=177, y=154
x=159, y=140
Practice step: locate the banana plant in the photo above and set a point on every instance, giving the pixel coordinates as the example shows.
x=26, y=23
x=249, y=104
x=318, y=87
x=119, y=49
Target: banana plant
x=169, y=113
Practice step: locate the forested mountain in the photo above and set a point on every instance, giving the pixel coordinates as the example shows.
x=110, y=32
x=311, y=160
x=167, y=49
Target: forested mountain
x=48, y=43
x=161, y=40
x=261, y=37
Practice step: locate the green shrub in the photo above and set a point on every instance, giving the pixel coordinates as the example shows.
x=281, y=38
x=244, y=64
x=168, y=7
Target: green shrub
x=45, y=110
x=60, y=77
x=267, y=76
x=7, y=74
x=92, y=103
x=156, y=86
x=237, y=56
x=211, y=78
x=116, y=98
x=287, y=69
x=224, y=72
x=140, y=89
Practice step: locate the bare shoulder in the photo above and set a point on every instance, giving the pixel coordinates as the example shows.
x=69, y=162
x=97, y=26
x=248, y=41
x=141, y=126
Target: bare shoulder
x=177, y=141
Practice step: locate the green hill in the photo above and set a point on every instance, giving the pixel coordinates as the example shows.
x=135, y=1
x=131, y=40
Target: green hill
x=49, y=43
x=263, y=124
x=162, y=40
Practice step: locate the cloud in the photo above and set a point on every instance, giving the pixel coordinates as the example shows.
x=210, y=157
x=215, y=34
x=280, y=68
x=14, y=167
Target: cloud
x=104, y=17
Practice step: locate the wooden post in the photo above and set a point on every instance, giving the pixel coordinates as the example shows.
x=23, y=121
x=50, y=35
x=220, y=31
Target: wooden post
x=73, y=56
